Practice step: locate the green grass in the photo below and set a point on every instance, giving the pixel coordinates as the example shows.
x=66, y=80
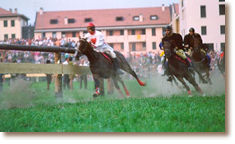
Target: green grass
x=79, y=112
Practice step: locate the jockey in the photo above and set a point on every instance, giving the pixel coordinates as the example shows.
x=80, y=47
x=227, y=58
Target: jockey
x=96, y=38
x=177, y=41
x=189, y=42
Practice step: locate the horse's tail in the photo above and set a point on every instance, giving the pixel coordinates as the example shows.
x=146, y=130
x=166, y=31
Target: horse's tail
x=126, y=67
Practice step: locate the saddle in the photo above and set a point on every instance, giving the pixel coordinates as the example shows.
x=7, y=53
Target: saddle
x=107, y=57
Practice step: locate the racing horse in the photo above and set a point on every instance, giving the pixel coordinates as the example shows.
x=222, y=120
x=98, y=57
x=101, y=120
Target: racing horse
x=102, y=67
x=179, y=68
x=200, y=60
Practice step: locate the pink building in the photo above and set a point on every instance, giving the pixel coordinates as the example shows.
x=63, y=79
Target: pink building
x=129, y=30
x=208, y=19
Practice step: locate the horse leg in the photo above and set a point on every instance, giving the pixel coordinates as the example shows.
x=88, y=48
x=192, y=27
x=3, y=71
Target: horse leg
x=97, y=85
x=208, y=76
x=101, y=86
x=185, y=85
x=193, y=82
x=117, y=86
x=126, y=67
x=201, y=78
x=124, y=86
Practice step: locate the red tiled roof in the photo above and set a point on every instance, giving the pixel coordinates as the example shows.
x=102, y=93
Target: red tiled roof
x=102, y=17
x=6, y=13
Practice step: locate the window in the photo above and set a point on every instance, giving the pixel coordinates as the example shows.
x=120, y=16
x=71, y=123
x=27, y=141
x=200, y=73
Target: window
x=136, y=18
x=222, y=29
x=133, y=47
x=122, y=46
x=12, y=23
x=163, y=31
x=63, y=34
x=43, y=35
x=121, y=32
x=144, y=45
x=132, y=32
x=210, y=46
x=88, y=20
x=5, y=36
x=119, y=18
x=5, y=23
x=182, y=3
x=154, y=45
x=203, y=30
x=221, y=0
x=222, y=46
x=153, y=17
x=73, y=34
x=222, y=9
x=143, y=31
x=203, y=11
x=53, y=21
x=53, y=34
x=110, y=32
x=13, y=36
x=153, y=32
x=71, y=20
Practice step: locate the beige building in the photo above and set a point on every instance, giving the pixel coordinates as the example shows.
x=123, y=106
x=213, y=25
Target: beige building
x=11, y=24
x=175, y=22
x=207, y=17
x=128, y=30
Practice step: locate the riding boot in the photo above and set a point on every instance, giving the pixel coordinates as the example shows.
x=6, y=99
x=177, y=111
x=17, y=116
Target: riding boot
x=117, y=66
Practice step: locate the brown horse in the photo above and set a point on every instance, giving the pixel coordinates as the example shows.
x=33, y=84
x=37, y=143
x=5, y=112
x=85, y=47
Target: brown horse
x=179, y=68
x=102, y=67
x=200, y=60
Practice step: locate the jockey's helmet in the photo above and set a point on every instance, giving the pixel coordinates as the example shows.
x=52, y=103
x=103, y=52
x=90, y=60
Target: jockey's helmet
x=192, y=30
x=91, y=28
x=168, y=28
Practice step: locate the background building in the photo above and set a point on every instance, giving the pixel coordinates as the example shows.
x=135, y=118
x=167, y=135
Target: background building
x=208, y=19
x=129, y=30
x=11, y=24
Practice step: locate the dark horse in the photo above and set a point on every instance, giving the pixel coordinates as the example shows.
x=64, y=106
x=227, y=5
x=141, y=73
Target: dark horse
x=179, y=68
x=102, y=68
x=200, y=60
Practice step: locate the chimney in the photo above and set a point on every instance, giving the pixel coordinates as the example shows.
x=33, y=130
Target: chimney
x=41, y=11
x=16, y=10
x=141, y=17
x=65, y=20
x=163, y=7
x=10, y=9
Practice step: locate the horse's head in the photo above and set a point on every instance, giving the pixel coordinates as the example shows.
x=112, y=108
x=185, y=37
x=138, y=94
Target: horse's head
x=167, y=48
x=82, y=48
x=197, y=44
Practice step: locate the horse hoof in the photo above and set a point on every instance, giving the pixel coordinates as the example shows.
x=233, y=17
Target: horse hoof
x=141, y=83
x=189, y=92
x=95, y=95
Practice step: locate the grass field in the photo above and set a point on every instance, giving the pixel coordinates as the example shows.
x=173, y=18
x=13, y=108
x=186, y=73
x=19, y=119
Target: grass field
x=30, y=108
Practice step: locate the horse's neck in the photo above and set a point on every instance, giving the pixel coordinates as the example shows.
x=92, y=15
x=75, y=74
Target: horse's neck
x=91, y=55
x=197, y=56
